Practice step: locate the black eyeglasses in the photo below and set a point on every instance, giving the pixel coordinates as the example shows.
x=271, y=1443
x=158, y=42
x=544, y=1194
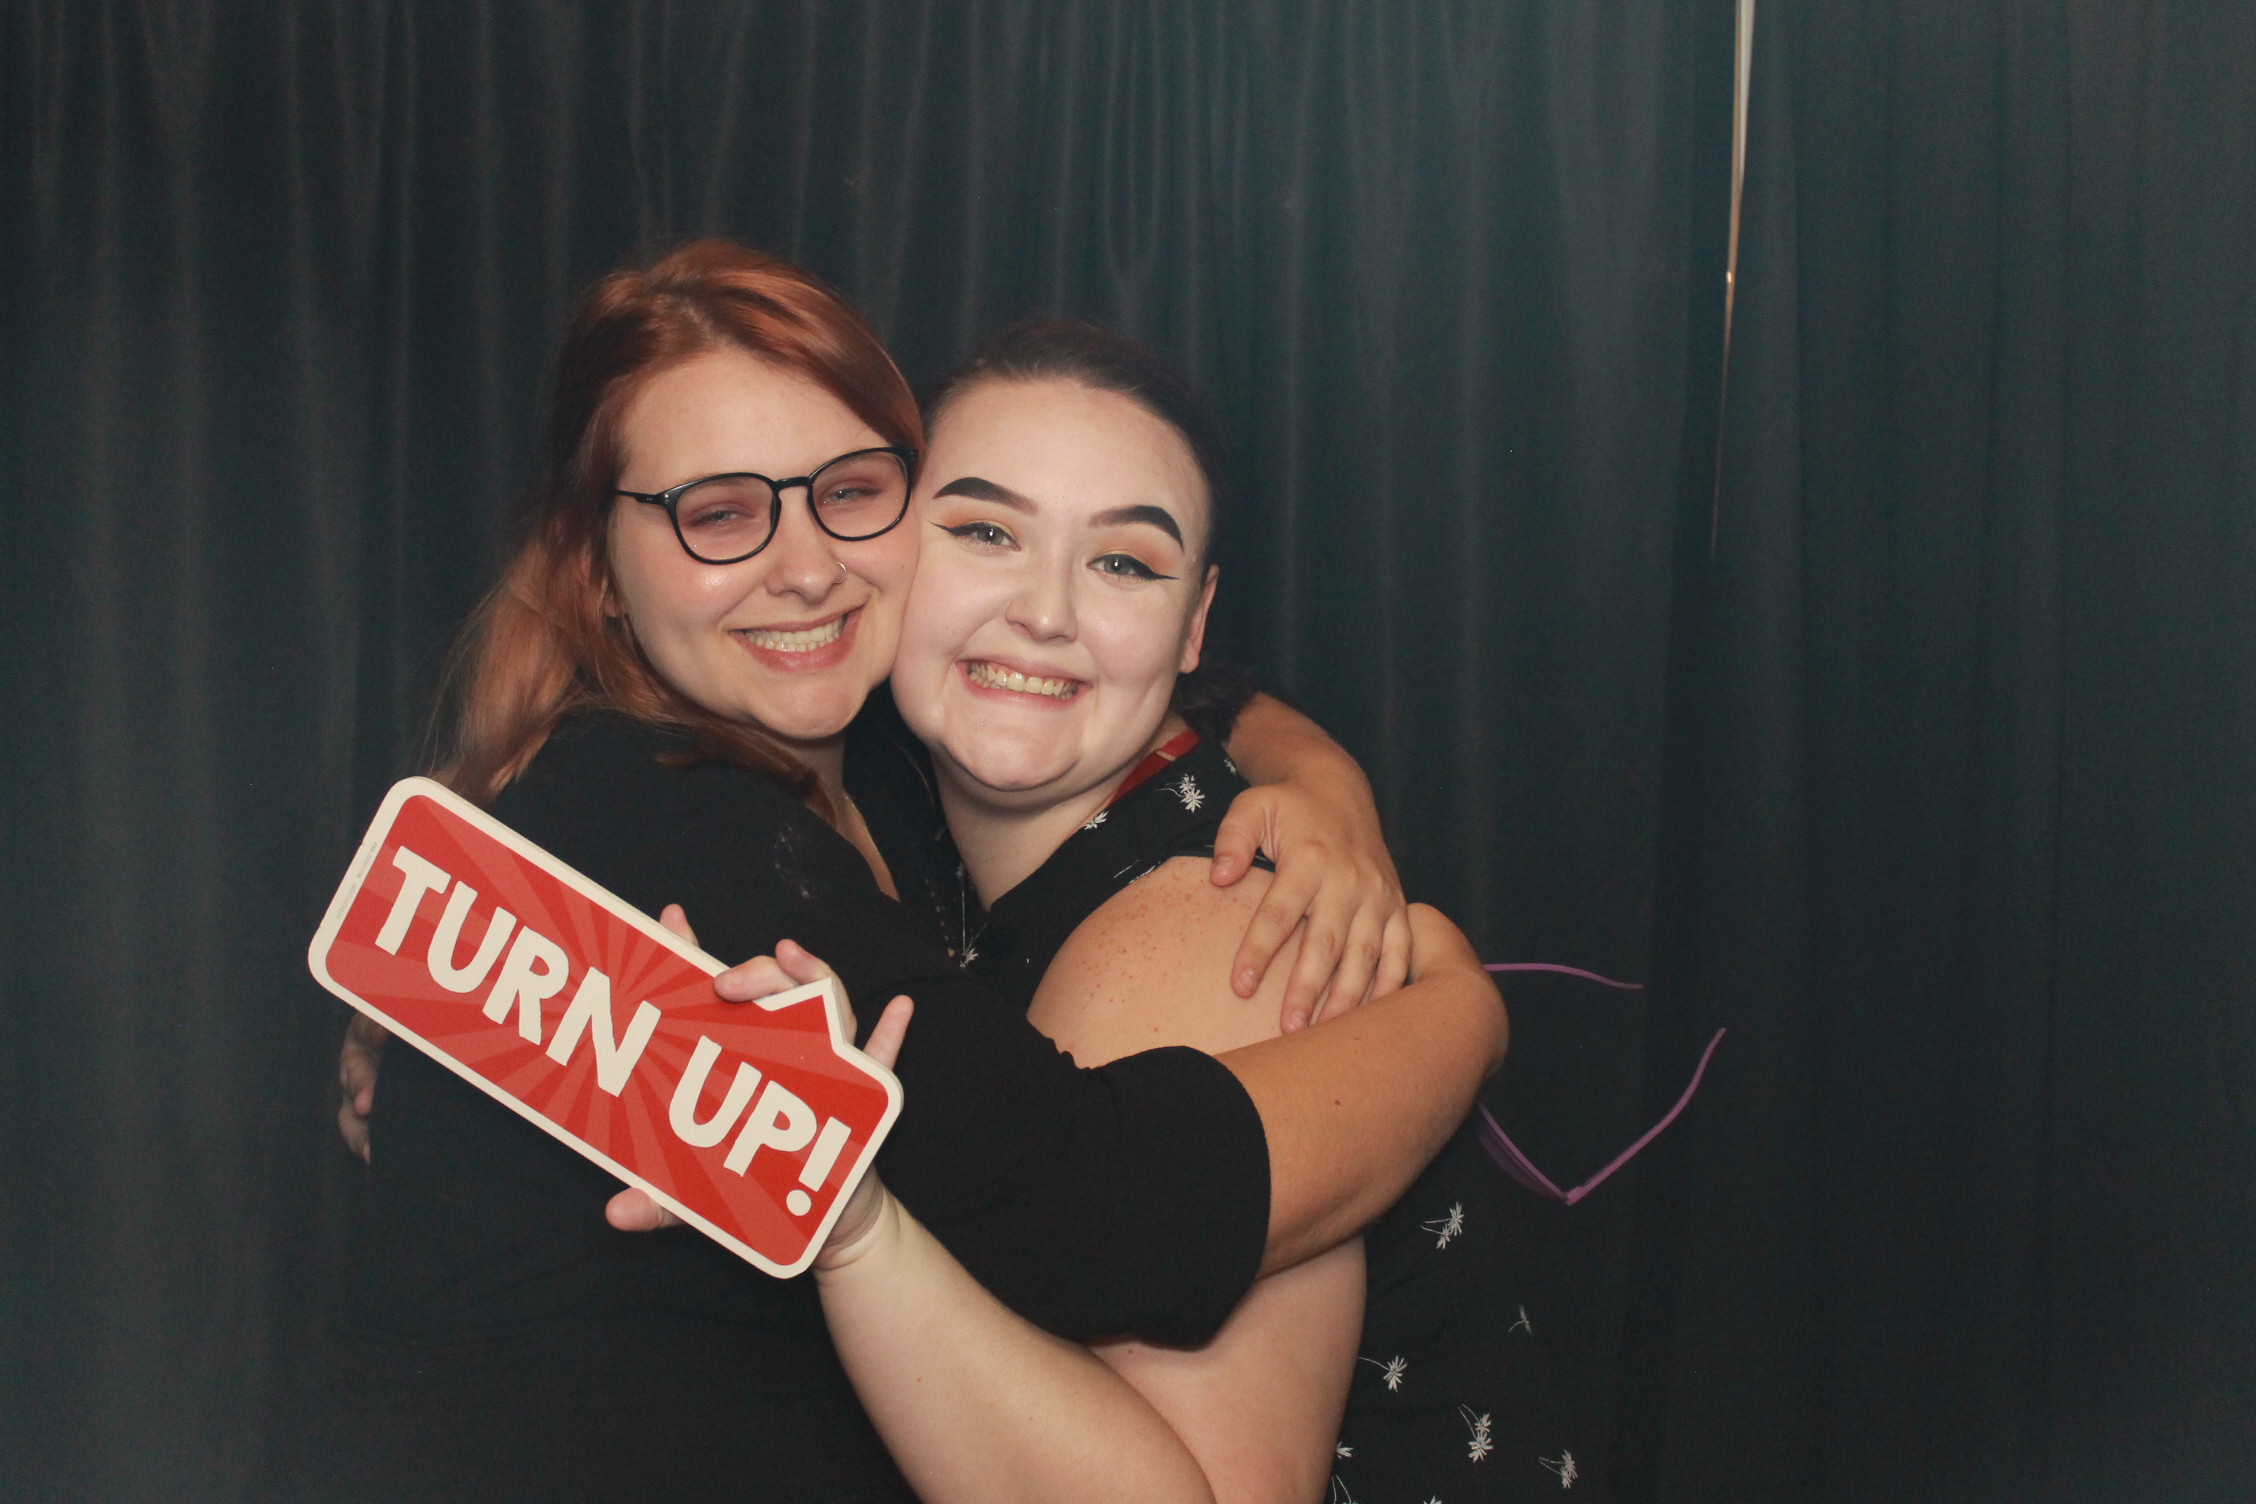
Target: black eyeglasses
x=726, y=519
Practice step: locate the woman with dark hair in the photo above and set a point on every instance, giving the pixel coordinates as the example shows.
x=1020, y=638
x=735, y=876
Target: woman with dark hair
x=1068, y=513
x=1070, y=504
x=659, y=692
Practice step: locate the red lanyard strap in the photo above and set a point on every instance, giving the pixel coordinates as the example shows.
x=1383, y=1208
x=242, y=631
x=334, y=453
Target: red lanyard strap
x=1142, y=772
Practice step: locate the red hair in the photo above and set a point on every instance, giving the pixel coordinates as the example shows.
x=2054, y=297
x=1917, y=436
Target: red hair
x=542, y=644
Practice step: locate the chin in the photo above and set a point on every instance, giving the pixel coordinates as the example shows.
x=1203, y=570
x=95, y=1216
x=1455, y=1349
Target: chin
x=997, y=768
x=814, y=717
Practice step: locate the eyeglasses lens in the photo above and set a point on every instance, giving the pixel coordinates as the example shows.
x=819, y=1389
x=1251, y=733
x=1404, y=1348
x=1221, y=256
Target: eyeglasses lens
x=860, y=495
x=730, y=516
x=724, y=518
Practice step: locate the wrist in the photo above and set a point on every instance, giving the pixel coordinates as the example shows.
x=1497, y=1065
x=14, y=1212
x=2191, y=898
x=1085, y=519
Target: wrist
x=861, y=1237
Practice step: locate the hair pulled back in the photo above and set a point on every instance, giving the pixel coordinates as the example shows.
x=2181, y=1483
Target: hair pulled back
x=548, y=638
x=1051, y=348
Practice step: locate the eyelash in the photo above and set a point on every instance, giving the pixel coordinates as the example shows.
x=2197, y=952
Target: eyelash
x=993, y=535
x=970, y=531
x=1136, y=569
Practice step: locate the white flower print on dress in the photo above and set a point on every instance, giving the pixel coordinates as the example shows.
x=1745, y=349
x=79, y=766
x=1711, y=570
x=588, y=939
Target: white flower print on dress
x=1390, y=1372
x=1446, y=1228
x=1095, y=820
x=1564, y=1466
x=1521, y=1325
x=1480, y=1443
x=1188, y=791
x=1342, y=1449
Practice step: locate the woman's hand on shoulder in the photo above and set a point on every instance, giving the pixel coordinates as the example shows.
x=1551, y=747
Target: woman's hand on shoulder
x=1147, y=970
x=357, y=1063
x=1334, y=872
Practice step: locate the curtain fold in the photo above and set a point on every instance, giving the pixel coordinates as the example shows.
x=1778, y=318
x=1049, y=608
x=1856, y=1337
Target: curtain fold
x=1971, y=871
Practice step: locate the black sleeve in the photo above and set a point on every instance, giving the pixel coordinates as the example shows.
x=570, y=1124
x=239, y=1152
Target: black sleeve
x=1132, y=1198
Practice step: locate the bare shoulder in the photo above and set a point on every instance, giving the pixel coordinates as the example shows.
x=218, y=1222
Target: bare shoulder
x=1152, y=967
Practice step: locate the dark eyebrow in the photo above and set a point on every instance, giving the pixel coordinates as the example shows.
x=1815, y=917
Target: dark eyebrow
x=1157, y=516
x=986, y=490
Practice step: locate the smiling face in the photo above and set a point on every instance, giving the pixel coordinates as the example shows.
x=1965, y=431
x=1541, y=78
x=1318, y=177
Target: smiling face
x=792, y=639
x=1060, y=592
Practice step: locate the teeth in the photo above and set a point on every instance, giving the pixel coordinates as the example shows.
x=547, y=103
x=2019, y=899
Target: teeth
x=796, y=642
x=995, y=676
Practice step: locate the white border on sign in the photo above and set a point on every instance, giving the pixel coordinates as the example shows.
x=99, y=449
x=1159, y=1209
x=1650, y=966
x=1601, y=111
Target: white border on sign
x=835, y=1010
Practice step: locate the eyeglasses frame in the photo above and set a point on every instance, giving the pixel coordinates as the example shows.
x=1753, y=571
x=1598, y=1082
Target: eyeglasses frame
x=670, y=499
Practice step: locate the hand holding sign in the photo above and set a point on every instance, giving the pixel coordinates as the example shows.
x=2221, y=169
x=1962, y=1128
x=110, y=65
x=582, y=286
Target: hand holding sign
x=752, y=1123
x=634, y=1210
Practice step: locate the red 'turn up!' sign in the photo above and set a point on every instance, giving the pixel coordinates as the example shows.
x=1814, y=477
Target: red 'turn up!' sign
x=751, y=1121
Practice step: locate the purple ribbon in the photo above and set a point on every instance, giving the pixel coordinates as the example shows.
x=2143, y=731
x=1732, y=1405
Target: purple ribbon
x=1513, y=1161
x=1571, y=971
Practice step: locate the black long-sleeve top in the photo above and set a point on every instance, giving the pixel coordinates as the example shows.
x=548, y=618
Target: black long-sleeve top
x=490, y=1297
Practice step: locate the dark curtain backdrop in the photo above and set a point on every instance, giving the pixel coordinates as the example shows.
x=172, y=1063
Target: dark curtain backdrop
x=1963, y=813
x=1918, y=752
x=283, y=282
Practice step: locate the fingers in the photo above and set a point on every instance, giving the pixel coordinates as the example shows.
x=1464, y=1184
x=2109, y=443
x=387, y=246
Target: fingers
x=759, y=977
x=635, y=1210
x=357, y=1061
x=673, y=917
x=1323, y=950
x=763, y=976
x=799, y=965
x=1350, y=983
x=356, y=1077
x=353, y=1127
x=1394, y=955
x=1273, y=921
x=1235, y=842
x=884, y=1043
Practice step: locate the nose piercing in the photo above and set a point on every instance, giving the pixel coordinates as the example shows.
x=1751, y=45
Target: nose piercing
x=841, y=571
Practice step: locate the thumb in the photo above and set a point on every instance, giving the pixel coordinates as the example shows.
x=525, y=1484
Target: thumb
x=636, y=1210
x=673, y=917
x=1235, y=843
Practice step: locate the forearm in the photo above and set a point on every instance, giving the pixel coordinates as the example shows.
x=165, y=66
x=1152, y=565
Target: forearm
x=1259, y=1406
x=1274, y=743
x=1355, y=1107
x=977, y=1404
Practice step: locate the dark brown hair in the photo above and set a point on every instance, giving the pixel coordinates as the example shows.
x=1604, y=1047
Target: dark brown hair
x=542, y=644
x=1049, y=348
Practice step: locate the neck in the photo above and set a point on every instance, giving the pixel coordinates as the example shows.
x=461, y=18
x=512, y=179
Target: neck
x=829, y=764
x=1003, y=842
x=826, y=759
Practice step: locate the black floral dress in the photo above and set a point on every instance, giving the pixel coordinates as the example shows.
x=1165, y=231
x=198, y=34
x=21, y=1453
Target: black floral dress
x=1456, y=1396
